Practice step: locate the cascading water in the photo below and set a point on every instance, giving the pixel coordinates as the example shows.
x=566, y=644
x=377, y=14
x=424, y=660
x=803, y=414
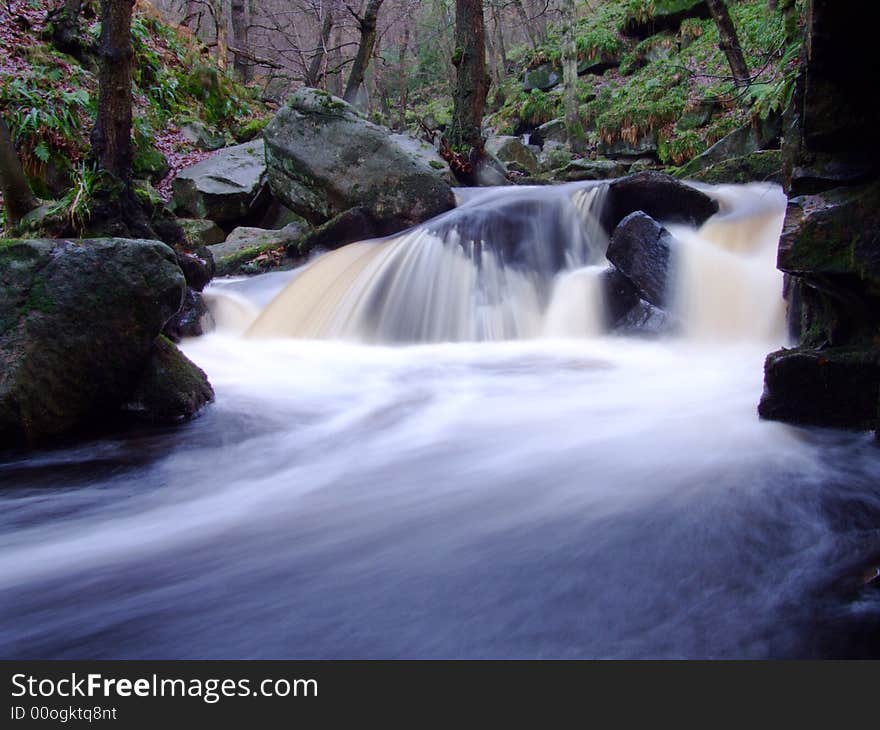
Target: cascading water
x=427, y=446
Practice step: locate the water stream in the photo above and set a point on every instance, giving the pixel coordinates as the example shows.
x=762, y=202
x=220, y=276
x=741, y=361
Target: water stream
x=427, y=446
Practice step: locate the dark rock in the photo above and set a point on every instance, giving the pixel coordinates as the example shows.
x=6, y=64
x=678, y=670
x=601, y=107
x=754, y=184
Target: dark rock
x=598, y=64
x=739, y=143
x=77, y=325
x=658, y=195
x=512, y=150
x=353, y=225
x=836, y=387
x=201, y=137
x=324, y=158
x=542, y=78
x=197, y=266
x=619, y=295
x=552, y=131
x=640, y=249
x=227, y=188
x=171, y=389
x=190, y=318
x=667, y=15
x=645, y=319
x=149, y=163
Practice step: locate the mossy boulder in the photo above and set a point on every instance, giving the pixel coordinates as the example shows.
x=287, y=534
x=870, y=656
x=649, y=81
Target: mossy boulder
x=510, y=149
x=149, y=163
x=591, y=170
x=227, y=188
x=245, y=244
x=324, y=158
x=78, y=319
x=542, y=78
x=201, y=232
x=665, y=15
x=171, y=388
x=764, y=166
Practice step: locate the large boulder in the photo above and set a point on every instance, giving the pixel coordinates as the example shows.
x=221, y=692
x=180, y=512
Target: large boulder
x=552, y=131
x=78, y=322
x=665, y=15
x=837, y=387
x=200, y=232
x=171, y=388
x=228, y=187
x=591, y=170
x=658, y=195
x=324, y=158
x=640, y=249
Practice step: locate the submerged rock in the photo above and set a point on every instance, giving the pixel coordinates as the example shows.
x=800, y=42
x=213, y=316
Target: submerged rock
x=226, y=188
x=640, y=250
x=324, y=158
x=658, y=195
x=171, y=389
x=77, y=324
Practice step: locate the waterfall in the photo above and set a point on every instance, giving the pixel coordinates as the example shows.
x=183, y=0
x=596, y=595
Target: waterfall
x=526, y=262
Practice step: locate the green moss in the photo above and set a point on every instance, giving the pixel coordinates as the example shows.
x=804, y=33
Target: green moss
x=436, y=165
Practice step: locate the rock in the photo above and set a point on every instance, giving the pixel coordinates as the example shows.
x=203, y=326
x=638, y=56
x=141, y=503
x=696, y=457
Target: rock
x=245, y=243
x=510, y=149
x=197, y=267
x=591, y=170
x=190, y=318
x=645, y=319
x=658, y=195
x=227, y=188
x=201, y=137
x=171, y=389
x=643, y=164
x=834, y=234
x=763, y=166
x=697, y=116
x=277, y=216
x=77, y=325
x=644, y=146
x=599, y=64
x=543, y=78
x=552, y=131
x=666, y=15
x=640, y=250
x=835, y=387
x=324, y=158
x=739, y=143
x=353, y=225
x=554, y=156
x=149, y=163
x=619, y=296
x=201, y=232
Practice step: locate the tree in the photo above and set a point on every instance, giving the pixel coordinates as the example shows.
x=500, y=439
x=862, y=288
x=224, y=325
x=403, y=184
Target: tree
x=313, y=73
x=472, y=82
x=367, y=25
x=242, y=62
x=111, y=136
x=17, y=195
x=730, y=43
x=573, y=127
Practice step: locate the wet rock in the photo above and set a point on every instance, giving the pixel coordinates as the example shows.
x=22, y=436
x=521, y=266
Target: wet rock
x=658, y=195
x=77, y=324
x=171, y=389
x=836, y=387
x=324, y=158
x=197, y=266
x=640, y=249
x=227, y=188
x=353, y=225
x=765, y=166
x=191, y=318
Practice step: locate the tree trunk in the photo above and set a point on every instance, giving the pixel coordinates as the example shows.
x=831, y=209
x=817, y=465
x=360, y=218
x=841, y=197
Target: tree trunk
x=111, y=137
x=499, y=44
x=472, y=83
x=238, y=15
x=334, y=76
x=364, y=52
x=402, y=77
x=573, y=127
x=730, y=43
x=17, y=194
x=313, y=73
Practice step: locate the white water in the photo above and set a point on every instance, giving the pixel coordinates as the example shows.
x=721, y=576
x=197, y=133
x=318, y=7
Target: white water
x=565, y=494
